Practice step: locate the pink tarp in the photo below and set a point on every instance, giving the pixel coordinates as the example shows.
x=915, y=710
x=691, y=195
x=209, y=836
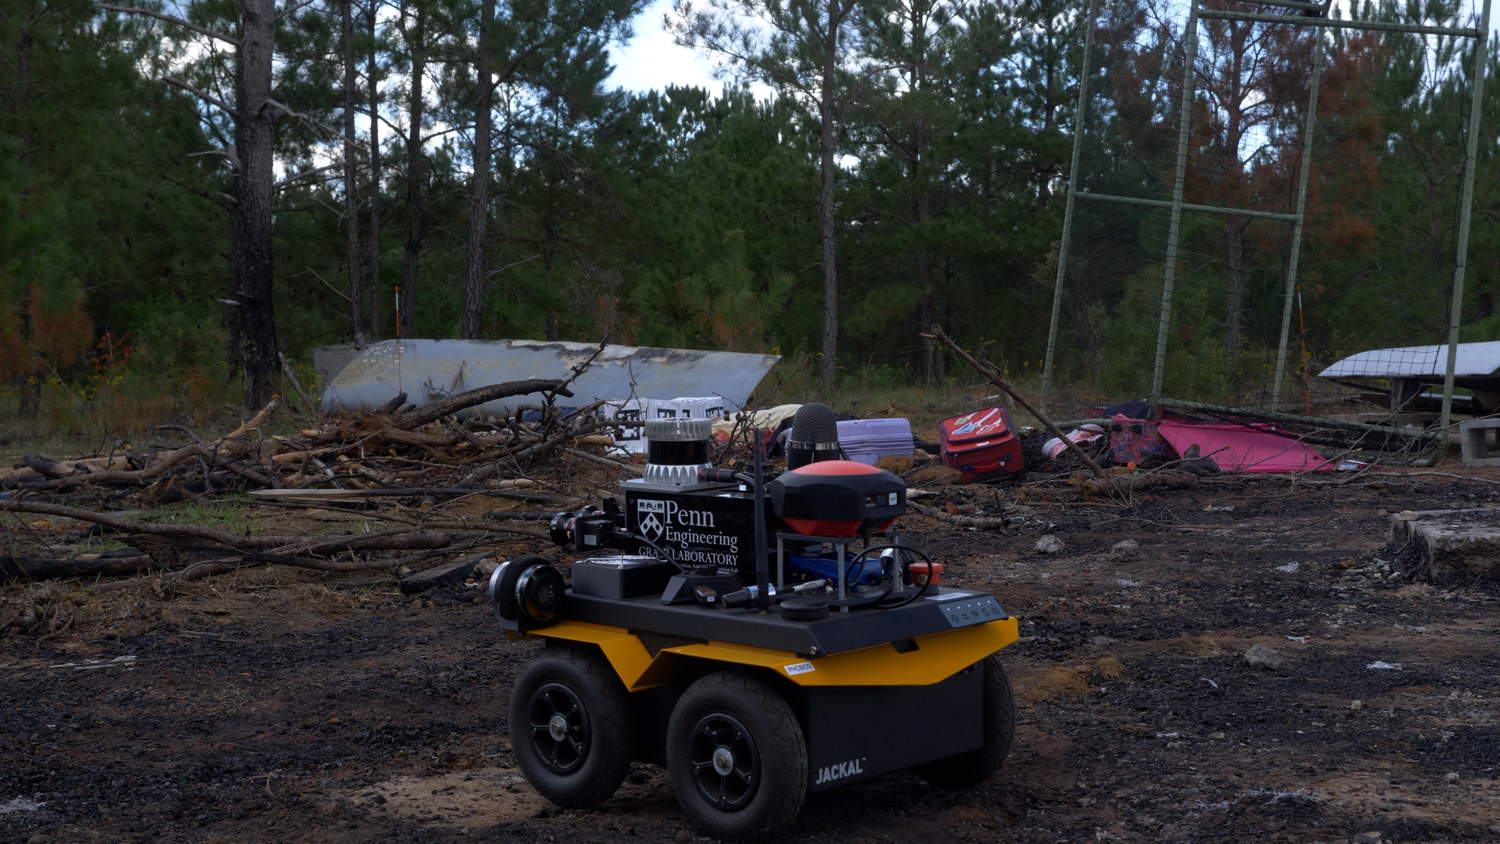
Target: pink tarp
x=1237, y=448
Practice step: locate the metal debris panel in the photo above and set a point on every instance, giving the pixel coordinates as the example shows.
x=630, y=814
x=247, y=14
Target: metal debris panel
x=430, y=369
x=1474, y=359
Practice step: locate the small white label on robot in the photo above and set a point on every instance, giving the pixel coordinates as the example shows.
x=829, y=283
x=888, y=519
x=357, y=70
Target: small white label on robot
x=800, y=668
x=840, y=770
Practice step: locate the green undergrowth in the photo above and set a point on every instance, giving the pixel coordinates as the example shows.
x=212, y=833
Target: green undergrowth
x=126, y=413
x=230, y=515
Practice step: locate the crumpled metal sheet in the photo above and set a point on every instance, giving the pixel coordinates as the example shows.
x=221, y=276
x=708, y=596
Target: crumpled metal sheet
x=1431, y=362
x=431, y=369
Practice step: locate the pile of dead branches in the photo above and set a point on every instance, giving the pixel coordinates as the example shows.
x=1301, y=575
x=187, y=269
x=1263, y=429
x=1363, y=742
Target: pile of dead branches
x=383, y=449
x=394, y=453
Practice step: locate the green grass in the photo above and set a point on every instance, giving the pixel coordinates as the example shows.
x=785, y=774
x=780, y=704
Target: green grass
x=124, y=419
x=230, y=515
x=100, y=544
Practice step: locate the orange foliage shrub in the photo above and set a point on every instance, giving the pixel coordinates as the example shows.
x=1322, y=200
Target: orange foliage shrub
x=35, y=340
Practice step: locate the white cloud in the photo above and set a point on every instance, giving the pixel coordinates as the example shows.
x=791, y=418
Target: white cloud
x=652, y=60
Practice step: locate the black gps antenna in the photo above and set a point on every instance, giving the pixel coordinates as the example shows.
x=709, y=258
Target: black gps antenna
x=814, y=436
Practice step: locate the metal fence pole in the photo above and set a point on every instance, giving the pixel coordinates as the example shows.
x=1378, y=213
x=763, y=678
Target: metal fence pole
x=1465, y=209
x=1291, y=267
x=1178, y=183
x=1191, y=206
x=1338, y=23
x=1067, y=228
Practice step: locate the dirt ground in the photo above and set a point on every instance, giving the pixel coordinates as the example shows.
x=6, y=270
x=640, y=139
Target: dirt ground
x=276, y=706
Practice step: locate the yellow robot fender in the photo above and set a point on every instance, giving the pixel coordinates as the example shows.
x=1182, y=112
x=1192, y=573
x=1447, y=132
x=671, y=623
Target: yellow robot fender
x=934, y=658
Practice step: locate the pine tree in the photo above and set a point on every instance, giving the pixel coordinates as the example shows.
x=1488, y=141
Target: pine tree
x=800, y=47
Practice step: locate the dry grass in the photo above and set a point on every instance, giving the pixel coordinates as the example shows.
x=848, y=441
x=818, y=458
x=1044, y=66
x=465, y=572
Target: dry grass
x=113, y=423
x=1042, y=684
x=112, y=607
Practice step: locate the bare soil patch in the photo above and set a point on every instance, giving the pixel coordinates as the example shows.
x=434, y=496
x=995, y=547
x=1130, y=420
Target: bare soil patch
x=281, y=705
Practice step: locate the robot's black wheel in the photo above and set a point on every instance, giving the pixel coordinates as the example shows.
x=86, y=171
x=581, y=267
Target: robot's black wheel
x=570, y=727
x=972, y=767
x=737, y=757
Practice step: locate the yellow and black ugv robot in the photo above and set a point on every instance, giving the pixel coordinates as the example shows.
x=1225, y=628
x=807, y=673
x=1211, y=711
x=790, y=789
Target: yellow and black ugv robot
x=762, y=639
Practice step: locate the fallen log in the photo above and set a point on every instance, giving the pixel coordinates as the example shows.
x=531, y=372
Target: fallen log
x=91, y=464
x=630, y=468
x=209, y=568
x=1137, y=483
x=304, y=454
x=433, y=411
x=979, y=522
x=505, y=490
x=45, y=467
x=84, y=565
x=223, y=452
x=398, y=540
x=447, y=574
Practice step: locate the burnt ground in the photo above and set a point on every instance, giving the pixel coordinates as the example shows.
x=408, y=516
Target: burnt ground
x=272, y=706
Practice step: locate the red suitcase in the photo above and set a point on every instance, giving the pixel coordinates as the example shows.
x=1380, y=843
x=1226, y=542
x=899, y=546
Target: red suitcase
x=983, y=445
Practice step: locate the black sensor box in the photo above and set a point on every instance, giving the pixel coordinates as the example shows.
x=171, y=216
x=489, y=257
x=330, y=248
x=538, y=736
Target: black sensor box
x=622, y=577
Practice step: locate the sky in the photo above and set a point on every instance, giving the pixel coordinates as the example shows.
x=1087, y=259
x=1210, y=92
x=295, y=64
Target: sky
x=652, y=60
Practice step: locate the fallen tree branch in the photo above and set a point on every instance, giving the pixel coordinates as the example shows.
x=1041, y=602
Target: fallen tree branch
x=630, y=468
x=433, y=411
x=981, y=522
x=1137, y=483
x=223, y=452
x=84, y=565
x=993, y=374
x=388, y=541
x=308, y=408
x=90, y=464
x=490, y=469
x=334, y=495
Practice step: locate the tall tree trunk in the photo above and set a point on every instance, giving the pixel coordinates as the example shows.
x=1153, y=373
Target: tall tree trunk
x=234, y=328
x=1236, y=123
x=254, y=136
x=1049, y=117
x=415, y=162
x=351, y=179
x=30, y=403
x=30, y=387
x=826, y=164
x=549, y=262
x=1234, y=295
x=922, y=207
x=472, y=324
x=372, y=76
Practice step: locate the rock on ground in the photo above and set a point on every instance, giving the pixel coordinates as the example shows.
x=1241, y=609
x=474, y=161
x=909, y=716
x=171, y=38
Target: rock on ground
x=1261, y=656
x=1049, y=544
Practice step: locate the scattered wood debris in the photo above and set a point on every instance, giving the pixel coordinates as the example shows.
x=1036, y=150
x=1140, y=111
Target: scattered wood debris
x=413, y=462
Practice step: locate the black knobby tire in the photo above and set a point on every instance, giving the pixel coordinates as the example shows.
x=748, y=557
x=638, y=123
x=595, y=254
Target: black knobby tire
x=570, y=727
x=737, y=757
x=972, y=767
